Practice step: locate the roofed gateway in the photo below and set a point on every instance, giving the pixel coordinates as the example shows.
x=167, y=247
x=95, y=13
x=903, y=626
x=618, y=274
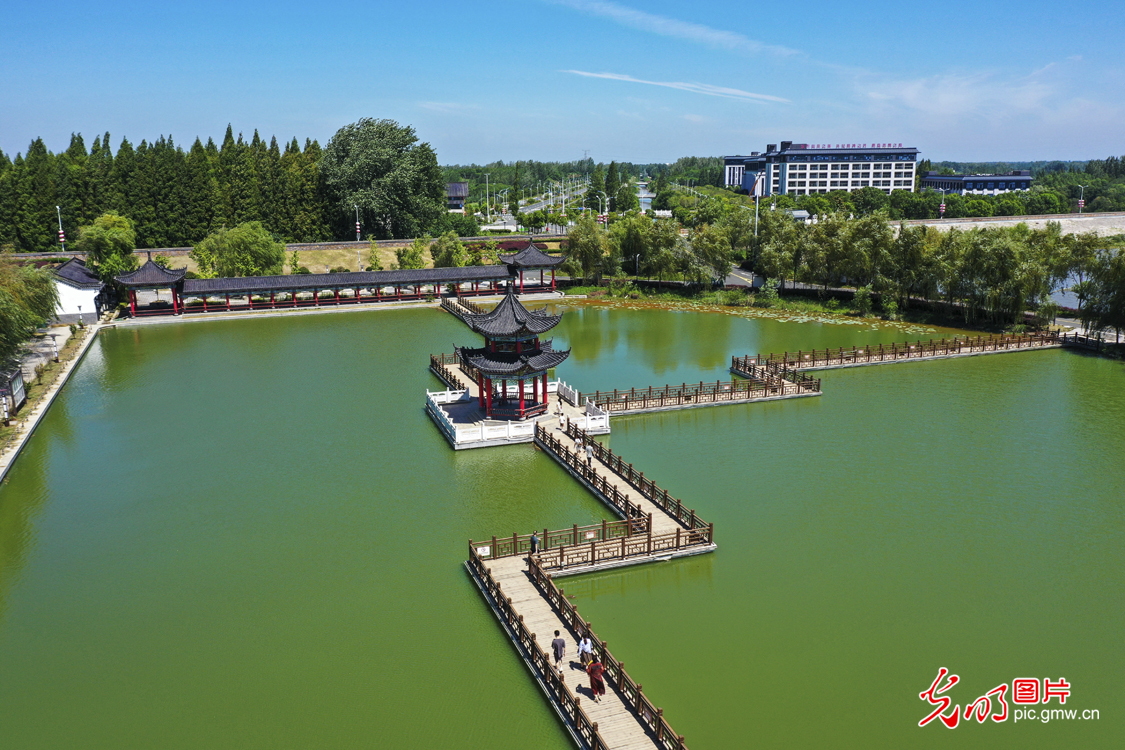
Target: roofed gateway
x=512, y=351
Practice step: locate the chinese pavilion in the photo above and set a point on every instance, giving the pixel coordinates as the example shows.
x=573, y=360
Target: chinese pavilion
x=531, y=258
x=512, y=351
x=153, y=276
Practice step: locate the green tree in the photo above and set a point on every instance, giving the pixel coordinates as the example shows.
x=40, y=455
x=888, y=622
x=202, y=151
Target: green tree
x=449, y=252
x=109, y=244
x=381, y=167
x=587, y=247
x=374, y=262
x=246, y=250
x=414, y=254
x=711, y=247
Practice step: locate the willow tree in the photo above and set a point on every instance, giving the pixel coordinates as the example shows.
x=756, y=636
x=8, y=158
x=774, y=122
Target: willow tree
x=28, y=299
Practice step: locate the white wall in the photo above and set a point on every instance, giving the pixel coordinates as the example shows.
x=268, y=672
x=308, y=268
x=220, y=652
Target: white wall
x=71, y=297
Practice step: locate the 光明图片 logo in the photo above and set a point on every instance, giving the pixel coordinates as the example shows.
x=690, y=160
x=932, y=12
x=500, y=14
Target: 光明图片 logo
x=1025, y=691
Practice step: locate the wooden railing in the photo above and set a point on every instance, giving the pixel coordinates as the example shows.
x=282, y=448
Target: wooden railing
x=629, y=690
x=764, y=382
x=645, y=486
x=610, y=493
x=520, y=544
x=439, y=366
x=459, y=306
x=569, y=704
x=841, y=357
x=1082, y=341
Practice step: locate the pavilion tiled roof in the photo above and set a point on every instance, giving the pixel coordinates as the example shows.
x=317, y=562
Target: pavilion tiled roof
x=75, y=273
x=501, y=364
x=512, y=319
x=151, y=274
x=531, y=257
x=345, y=280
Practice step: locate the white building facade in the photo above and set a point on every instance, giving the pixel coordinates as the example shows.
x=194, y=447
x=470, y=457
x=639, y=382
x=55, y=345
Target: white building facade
x=804, y=169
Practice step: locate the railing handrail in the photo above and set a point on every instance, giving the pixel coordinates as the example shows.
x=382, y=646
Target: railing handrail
x=649, y=489
x=788, y=362
x=631, y=692
x=552, y=679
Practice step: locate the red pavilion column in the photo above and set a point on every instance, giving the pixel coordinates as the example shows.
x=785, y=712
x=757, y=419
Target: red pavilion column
x=228, y=303
x=520, y=381
x=133, y=302
x=540, y=277
x=250, y=300
x=204, y=303
x=316, y=298
x=552, y=279
x=535, y=390
x=273, y=303
x=488, y=382
x=521, y=281
x=337, y=290
x=544, y=387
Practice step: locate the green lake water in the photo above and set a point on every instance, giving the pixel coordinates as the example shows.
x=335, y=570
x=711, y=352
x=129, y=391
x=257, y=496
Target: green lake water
x=248, y=534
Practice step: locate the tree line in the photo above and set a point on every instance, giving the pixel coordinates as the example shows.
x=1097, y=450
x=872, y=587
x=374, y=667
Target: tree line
x=176, y=197
x=990, y=274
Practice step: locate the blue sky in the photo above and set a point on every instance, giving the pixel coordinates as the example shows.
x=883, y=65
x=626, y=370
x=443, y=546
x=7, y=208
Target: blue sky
x=551, y=79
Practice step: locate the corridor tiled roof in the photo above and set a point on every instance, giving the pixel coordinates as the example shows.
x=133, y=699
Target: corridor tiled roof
x=345, y=280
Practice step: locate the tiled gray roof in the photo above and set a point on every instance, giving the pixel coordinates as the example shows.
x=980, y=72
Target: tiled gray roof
x=499, y=364
x=512, y=319
x=531, y=257
x=75, y=273
x=151, y=274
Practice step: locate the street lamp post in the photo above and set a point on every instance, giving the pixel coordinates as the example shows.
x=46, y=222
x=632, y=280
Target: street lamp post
x=62, y=236
x=55, y=346
x=1081, y=201
x=356, y=221
x=941, y=208
x=487, y=205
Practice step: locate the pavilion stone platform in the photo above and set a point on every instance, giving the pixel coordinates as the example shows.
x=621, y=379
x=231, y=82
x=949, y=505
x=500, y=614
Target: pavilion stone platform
x=499, y=391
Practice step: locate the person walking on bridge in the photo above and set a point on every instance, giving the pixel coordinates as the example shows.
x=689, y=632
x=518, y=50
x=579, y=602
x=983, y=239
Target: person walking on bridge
x=559, y=647
x=597, y=684
x=590, y=453
x=585, y=650
x=534, y=543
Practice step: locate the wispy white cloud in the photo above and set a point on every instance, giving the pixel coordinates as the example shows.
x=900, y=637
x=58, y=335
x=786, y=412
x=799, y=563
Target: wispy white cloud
x=695, y=88
x=671, y=27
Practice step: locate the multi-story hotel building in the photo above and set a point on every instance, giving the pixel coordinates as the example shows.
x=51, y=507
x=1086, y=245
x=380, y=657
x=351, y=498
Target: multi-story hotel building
x=804, y=169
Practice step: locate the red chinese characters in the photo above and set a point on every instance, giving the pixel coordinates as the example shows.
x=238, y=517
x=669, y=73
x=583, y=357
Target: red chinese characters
x=931, y=696
x=1025, y=690
x=1060, y=690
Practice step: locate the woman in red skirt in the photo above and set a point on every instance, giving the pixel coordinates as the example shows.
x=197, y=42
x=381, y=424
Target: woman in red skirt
x=597, y=684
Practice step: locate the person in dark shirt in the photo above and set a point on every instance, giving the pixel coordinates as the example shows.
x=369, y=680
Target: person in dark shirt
x=559, y=647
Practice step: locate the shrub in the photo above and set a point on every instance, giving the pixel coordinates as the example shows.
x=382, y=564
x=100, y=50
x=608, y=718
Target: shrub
x=890, y=307
x=768, y=296
x=862, y=301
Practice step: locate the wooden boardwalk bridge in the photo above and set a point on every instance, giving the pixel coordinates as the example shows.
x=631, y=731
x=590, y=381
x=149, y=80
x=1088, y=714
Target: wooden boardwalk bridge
x=858, y=356
x=521, y=590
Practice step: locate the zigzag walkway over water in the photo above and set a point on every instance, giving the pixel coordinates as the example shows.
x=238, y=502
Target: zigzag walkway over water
x=520, y=589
